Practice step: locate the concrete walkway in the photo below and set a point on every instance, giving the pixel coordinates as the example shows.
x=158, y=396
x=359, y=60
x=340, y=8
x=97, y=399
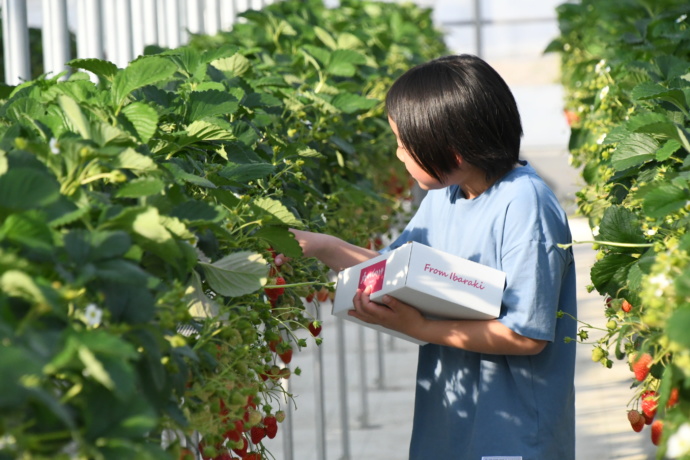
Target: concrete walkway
x=380, y=419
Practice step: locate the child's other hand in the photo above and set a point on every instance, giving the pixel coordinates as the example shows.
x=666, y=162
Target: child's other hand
x=392, y=314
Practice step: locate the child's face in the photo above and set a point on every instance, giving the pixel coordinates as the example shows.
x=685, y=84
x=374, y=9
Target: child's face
x=424, y=179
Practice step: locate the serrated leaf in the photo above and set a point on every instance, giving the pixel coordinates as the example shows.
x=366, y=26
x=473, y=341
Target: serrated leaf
x=665, y=199
x=183, y=175
x=236, y=65
x=143, y=186
x=27, y=229
x=198, y=303
x=131, y=159
x=325, y=37
x=121, y=271
x=211, y=103
x=144, y=119
x=342, y=63
x=237, y=274
x=610, y=274
x=281, y=239
x=277, y=210
x=634, y=150
x=104, y=70
x=75, y=116
x=621, y=225
x=247, y=172
x=95, y=368
x=649, y=90
x=142, y=72
x=668, y=149
x=24, y=188
x=196, y=211
x=351, y=103
x=207, y=131
x=309, y=153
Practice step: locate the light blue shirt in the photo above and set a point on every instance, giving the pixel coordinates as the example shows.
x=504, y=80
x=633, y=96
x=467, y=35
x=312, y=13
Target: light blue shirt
x=471, y=405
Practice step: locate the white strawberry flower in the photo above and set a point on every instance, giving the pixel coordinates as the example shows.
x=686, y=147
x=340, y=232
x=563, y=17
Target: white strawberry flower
x=604, y=91
x=651, y=232
x=600, y=65
x=93, y=315
x=53, y=144
x=681, y=18
x=601, y=139
x=678, y=444
x=595, y=231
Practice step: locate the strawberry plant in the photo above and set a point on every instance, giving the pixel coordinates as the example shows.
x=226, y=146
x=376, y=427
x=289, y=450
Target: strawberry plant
x=625, y=69
x=140, y=216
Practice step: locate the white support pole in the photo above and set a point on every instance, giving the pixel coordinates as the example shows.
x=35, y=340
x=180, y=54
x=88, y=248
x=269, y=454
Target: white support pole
x=161, y=23
x=139, y=27
x=212, y=19
x=56, y=40
x=109, y=25
x=228, y=12
x=15, y=35
x=90, y=30
x=150, y=22
x=195, y=16
x=171, y=16
x=123, y=32
x=182, y=22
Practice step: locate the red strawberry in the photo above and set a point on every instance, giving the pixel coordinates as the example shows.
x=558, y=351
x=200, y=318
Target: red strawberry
x=275, y=292
x=657, y=428
x=235, y=433
x=286, y=356
x=273, y=344
x=649, y=404
x=672, y=398
x=272, y=420
x=271, y=431
x=315, y=328
x=257, y=433
x=252, y=456
x=310, y=296
x=626, y=307
x=636, y=420
x=640, y=366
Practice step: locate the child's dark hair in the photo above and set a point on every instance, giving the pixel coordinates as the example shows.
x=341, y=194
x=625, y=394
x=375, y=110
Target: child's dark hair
x=456, y=105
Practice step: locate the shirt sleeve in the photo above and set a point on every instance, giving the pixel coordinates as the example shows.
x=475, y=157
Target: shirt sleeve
x=534, y=264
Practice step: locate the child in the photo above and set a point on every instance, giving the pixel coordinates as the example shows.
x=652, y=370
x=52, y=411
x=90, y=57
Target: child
x=490, y=389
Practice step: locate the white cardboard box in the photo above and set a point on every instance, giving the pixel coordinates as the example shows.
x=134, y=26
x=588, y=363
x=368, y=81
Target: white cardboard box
x=439, y=284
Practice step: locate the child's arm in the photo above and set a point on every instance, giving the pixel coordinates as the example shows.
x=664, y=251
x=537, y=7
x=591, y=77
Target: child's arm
x=332, y=251
x=482, y=336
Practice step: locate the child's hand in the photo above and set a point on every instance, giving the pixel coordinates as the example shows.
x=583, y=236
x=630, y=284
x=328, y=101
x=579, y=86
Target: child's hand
x=392, y=314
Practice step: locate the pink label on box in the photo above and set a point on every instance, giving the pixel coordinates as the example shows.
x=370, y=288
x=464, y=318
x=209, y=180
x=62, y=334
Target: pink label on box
x=372, y=276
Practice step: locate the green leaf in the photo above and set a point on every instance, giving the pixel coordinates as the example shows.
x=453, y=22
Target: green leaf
x=95, y=368
x=351, y=103
x=184, y=176
x=667, y=150
x=649, y=90
x=27, y=229
x=78, y=121
x=24, y=188
x=131, y=159
x=104, y=70
x=634, y=150
x=325, y=37
x=342, y=63
x=621, y=225
x=144, y=71
x=277, y=210
x=247, y=172
x=199, y=304
x=144, y=119
x=678, y=326
x=281, y=239
x=16, y=363
x=235, y=65
x=207, y=131
x=609, y=275
x=237, y=274
x=211, y=103
x=142, y=186
x=197, y=211
x=664, y=199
